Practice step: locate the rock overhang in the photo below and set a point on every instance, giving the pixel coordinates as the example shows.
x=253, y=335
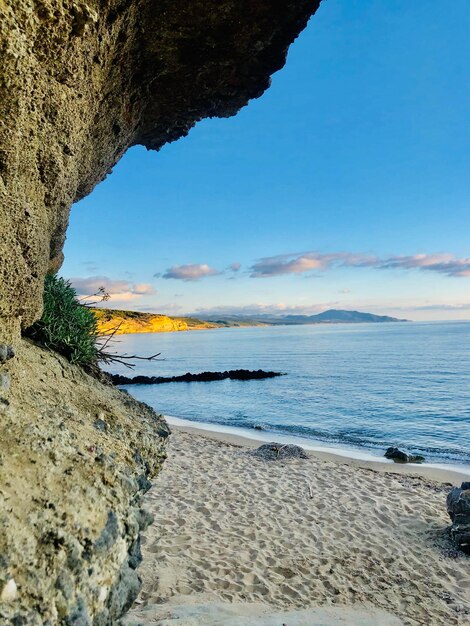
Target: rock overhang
x=81, y=82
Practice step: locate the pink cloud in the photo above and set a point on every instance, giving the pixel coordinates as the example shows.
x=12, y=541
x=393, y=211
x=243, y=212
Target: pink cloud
x=301, y=263
x=118, y=290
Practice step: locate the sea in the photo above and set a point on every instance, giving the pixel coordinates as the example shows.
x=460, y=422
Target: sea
x=353, y=388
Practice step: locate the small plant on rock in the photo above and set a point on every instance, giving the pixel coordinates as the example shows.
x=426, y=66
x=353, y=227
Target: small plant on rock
x=66, y=325
x=69, y=326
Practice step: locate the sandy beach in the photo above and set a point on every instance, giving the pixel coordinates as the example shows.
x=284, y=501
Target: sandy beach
x=294, y=534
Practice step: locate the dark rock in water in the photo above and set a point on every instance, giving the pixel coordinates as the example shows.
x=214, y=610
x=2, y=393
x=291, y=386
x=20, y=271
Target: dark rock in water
x=458, y=507
x=397, y=455
x=191, y=378
x=416, y=458
x=276, y=451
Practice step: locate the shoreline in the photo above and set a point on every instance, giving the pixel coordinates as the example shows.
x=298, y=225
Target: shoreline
x=214, y=325
x=439, y=472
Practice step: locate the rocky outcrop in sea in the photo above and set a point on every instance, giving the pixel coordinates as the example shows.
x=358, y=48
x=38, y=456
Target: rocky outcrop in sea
x=118, y=379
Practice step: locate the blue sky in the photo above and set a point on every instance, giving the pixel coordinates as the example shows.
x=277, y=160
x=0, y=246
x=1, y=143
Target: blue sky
x=346, y=185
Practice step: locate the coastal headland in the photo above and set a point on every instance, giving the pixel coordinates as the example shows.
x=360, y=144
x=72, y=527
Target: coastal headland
x=128, y=322
x=121, y=322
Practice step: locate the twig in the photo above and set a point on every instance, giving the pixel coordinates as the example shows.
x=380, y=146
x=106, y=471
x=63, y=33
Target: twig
x=108, y=357
x=111, y=335
x=102, y=294
x=141, y=358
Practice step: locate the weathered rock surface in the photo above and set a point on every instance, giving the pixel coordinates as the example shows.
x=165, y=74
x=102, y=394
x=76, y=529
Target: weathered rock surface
x=118, y=379
x=75, y=458
x=278, y=451
x=80, y=82
x=6, y=353
x=397, y=455
x=458, y=507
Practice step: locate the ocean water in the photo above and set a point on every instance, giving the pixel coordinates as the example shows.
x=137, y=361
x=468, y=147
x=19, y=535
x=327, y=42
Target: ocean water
x=362, y=387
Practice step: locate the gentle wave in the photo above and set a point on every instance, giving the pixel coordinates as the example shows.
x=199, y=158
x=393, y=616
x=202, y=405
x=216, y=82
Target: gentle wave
x=313, y=435
x=367, y=386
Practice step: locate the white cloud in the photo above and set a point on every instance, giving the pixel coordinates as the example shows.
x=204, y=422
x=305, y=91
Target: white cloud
x=442, y=307
x=301, y=263
x=264, y=309
x=190, y=272
x=118, y=290
x=169, y=308
x=446, y=264
x=143, y=289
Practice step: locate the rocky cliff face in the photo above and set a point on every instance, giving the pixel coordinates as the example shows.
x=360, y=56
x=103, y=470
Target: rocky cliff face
x=75, y=458
x=127, y=322
x=114, y=321
x=80, y=82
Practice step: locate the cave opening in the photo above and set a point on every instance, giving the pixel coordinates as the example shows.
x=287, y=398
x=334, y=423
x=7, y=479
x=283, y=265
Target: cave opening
x=297, y=233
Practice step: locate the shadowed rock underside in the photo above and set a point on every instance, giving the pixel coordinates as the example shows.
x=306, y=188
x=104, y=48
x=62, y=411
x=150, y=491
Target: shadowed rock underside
x=81, y=82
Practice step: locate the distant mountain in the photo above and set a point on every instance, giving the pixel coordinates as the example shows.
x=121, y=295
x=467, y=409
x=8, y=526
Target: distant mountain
x=332, y=316
x=337, y=316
